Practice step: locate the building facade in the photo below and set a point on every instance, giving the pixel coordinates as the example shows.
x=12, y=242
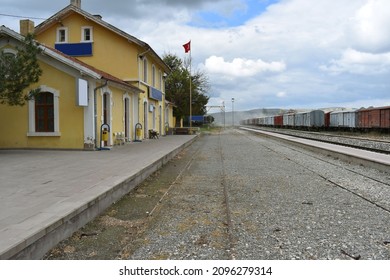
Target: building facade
x=64, y=116
x=100, y=82
x=88, y=37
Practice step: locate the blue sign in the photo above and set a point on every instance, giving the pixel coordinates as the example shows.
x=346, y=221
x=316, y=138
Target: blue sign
x=155, y=94
x=197, y=118
x=78, y=49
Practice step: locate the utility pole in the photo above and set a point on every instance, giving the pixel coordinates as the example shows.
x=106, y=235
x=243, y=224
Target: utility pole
x=233, y=112
x=224, y=114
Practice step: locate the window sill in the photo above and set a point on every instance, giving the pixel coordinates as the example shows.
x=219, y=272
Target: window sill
x=43, y=134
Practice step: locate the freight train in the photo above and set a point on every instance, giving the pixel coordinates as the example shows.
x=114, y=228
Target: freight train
x=373, y=118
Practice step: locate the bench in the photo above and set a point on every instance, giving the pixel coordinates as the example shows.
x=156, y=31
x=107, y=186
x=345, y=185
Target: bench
x=182, y=130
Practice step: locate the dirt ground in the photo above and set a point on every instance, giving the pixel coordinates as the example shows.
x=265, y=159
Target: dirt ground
x=119, y=230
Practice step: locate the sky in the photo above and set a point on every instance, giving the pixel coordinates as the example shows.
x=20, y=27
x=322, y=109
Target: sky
x=286, y=54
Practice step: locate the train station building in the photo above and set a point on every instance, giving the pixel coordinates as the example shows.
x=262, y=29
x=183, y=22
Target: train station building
x=100, y=86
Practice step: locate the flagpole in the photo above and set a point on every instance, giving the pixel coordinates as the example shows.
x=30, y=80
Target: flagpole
x=187, y=48
x=190, y=92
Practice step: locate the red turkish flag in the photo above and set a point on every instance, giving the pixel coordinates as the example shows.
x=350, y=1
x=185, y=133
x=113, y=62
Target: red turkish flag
x=187, y=47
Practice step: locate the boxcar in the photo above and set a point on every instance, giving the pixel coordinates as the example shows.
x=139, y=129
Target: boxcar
x=348, y=119
x=327, y=119
x=378, y=117
x=269, y=121
x=315, y=118
x=278, y=121
x=289, y=120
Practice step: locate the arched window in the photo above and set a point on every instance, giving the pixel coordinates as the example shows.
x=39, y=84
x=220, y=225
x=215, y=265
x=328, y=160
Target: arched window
x=44, y=115
x=8, y=57
x=44, y=112
x=160, y=77
x=145, y=70
x=127, y=117
x=153, y=76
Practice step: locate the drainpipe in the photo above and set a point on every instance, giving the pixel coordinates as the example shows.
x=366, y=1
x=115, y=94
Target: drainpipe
x=95, y=108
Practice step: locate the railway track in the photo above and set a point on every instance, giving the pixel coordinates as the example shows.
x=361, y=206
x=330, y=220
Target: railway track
x=369, y=179
x=227, y=238
x=375, y=191
x=373, y=145
x=367, y=185
x=235, y=196
x=229, y=224
x=227, y=216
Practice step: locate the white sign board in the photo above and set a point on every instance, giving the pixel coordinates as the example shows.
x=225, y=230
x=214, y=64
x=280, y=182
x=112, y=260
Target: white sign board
x=82, y=99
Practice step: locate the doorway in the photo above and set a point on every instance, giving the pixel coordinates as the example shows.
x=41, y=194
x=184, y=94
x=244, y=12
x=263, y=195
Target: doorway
x=107, y=114
x=146, y=119
x=127, y=119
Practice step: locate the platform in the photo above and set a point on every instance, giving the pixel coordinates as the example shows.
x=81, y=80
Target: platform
x=358, y=156
x=46, y=195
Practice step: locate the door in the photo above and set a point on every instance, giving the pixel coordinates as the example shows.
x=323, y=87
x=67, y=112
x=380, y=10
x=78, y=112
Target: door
x=127, y=119
x=106, y=113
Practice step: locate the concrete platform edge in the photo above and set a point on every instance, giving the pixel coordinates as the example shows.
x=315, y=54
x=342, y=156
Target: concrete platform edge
x=327, y=152
x=36, y=246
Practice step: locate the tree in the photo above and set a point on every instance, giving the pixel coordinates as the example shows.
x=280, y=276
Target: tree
x=18, y=72
x=177, y=87
x=210, y=119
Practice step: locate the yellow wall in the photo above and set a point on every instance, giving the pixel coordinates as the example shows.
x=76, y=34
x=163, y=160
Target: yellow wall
x=71, y=117
x=13, y=127
x=171, y=118
x=111, y=52
x=116, y=115
x=153, y=122
x=114, y=54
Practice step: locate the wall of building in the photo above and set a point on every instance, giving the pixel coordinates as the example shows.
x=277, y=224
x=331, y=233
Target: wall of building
x=123, y=63
x=116, y=113
x=71, y=124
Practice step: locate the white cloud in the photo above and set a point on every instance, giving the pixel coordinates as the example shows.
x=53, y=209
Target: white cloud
x=353, y=61
x=370, y=27
x=284, y=57
x=240, y=67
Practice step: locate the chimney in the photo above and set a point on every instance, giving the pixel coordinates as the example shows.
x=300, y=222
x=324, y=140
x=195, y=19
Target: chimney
x=76, y=3
x=26, y=27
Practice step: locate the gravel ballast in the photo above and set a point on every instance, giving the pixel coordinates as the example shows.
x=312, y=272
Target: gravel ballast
x=237, y=195
x=284, y=204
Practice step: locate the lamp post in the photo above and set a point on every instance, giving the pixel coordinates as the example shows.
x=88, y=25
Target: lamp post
x=223, y=106
x=233, y=112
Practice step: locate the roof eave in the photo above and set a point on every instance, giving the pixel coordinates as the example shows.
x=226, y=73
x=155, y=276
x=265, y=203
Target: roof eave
x=11, y=33
x=123, y=86
x=71, y=63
